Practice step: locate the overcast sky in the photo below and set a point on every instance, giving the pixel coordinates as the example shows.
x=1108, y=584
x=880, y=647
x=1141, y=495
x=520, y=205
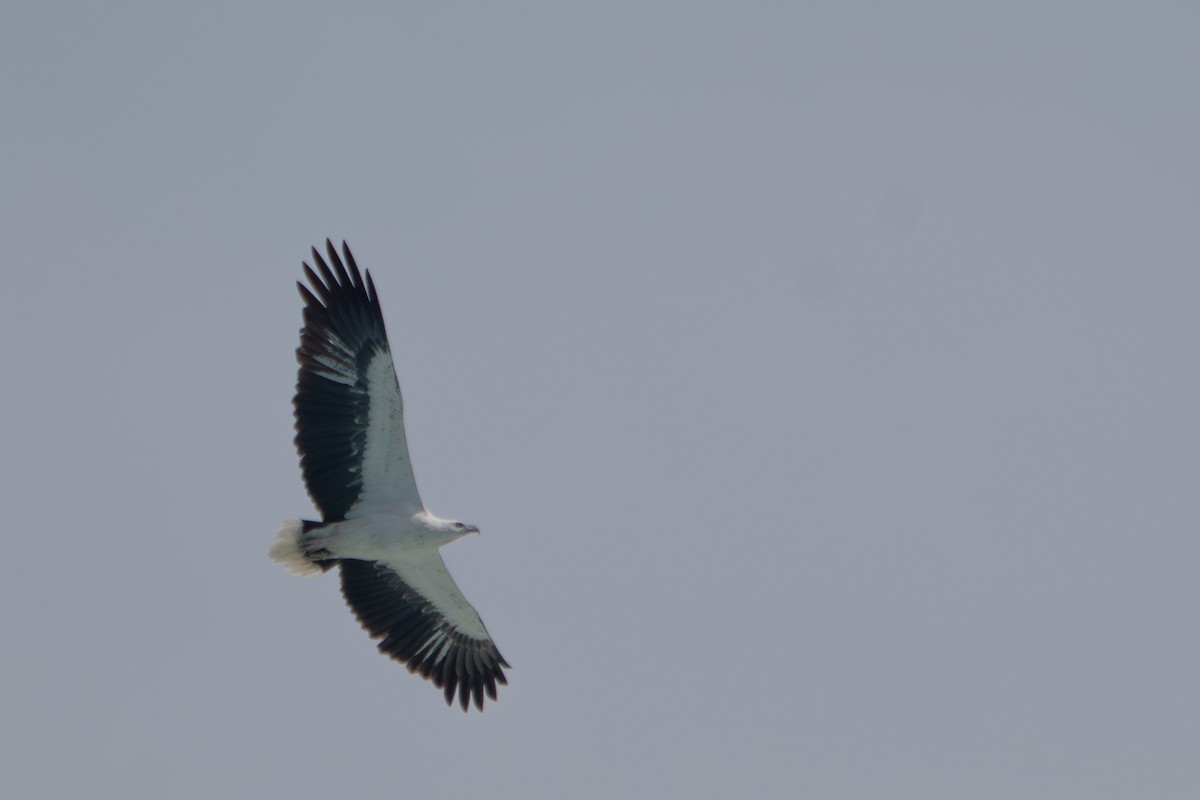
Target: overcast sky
x=822, y=377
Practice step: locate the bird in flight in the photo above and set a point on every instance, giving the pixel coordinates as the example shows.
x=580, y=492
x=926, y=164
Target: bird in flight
x=374, y=527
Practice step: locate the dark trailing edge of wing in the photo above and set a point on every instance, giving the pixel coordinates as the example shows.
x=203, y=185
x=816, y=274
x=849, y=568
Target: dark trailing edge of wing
x=343, y=331
x=413, y=631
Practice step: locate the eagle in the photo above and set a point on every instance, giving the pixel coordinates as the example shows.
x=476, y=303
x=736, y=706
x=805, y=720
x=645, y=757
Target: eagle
x=374, y=527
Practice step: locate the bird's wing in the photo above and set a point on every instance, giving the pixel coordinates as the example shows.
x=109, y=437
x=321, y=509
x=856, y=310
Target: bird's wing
x=424, y=621
x=349, y=414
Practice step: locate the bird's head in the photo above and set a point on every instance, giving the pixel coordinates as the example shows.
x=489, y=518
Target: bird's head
x=448, y=528
x=462, y=528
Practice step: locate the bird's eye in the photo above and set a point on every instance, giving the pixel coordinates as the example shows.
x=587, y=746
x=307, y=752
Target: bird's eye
x=459, y=525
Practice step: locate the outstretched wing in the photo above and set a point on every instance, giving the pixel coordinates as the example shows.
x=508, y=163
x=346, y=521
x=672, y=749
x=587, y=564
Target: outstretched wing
x=349, y=413
x=424, y=621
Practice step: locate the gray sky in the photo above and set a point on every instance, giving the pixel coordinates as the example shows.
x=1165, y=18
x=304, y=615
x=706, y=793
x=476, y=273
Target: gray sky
x=822, y=377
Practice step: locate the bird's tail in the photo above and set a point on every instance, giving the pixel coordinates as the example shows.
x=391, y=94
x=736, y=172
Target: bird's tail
x=288, y=549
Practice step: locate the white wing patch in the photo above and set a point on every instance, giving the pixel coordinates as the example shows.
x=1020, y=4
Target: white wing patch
x=387, y=476
x=427, y=575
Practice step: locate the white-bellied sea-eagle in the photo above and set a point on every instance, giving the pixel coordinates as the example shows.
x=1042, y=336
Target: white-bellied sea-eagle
x=350, y=435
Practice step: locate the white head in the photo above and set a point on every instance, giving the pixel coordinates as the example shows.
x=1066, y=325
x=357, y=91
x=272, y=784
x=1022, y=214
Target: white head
x=463, y=529
x=451, y=529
